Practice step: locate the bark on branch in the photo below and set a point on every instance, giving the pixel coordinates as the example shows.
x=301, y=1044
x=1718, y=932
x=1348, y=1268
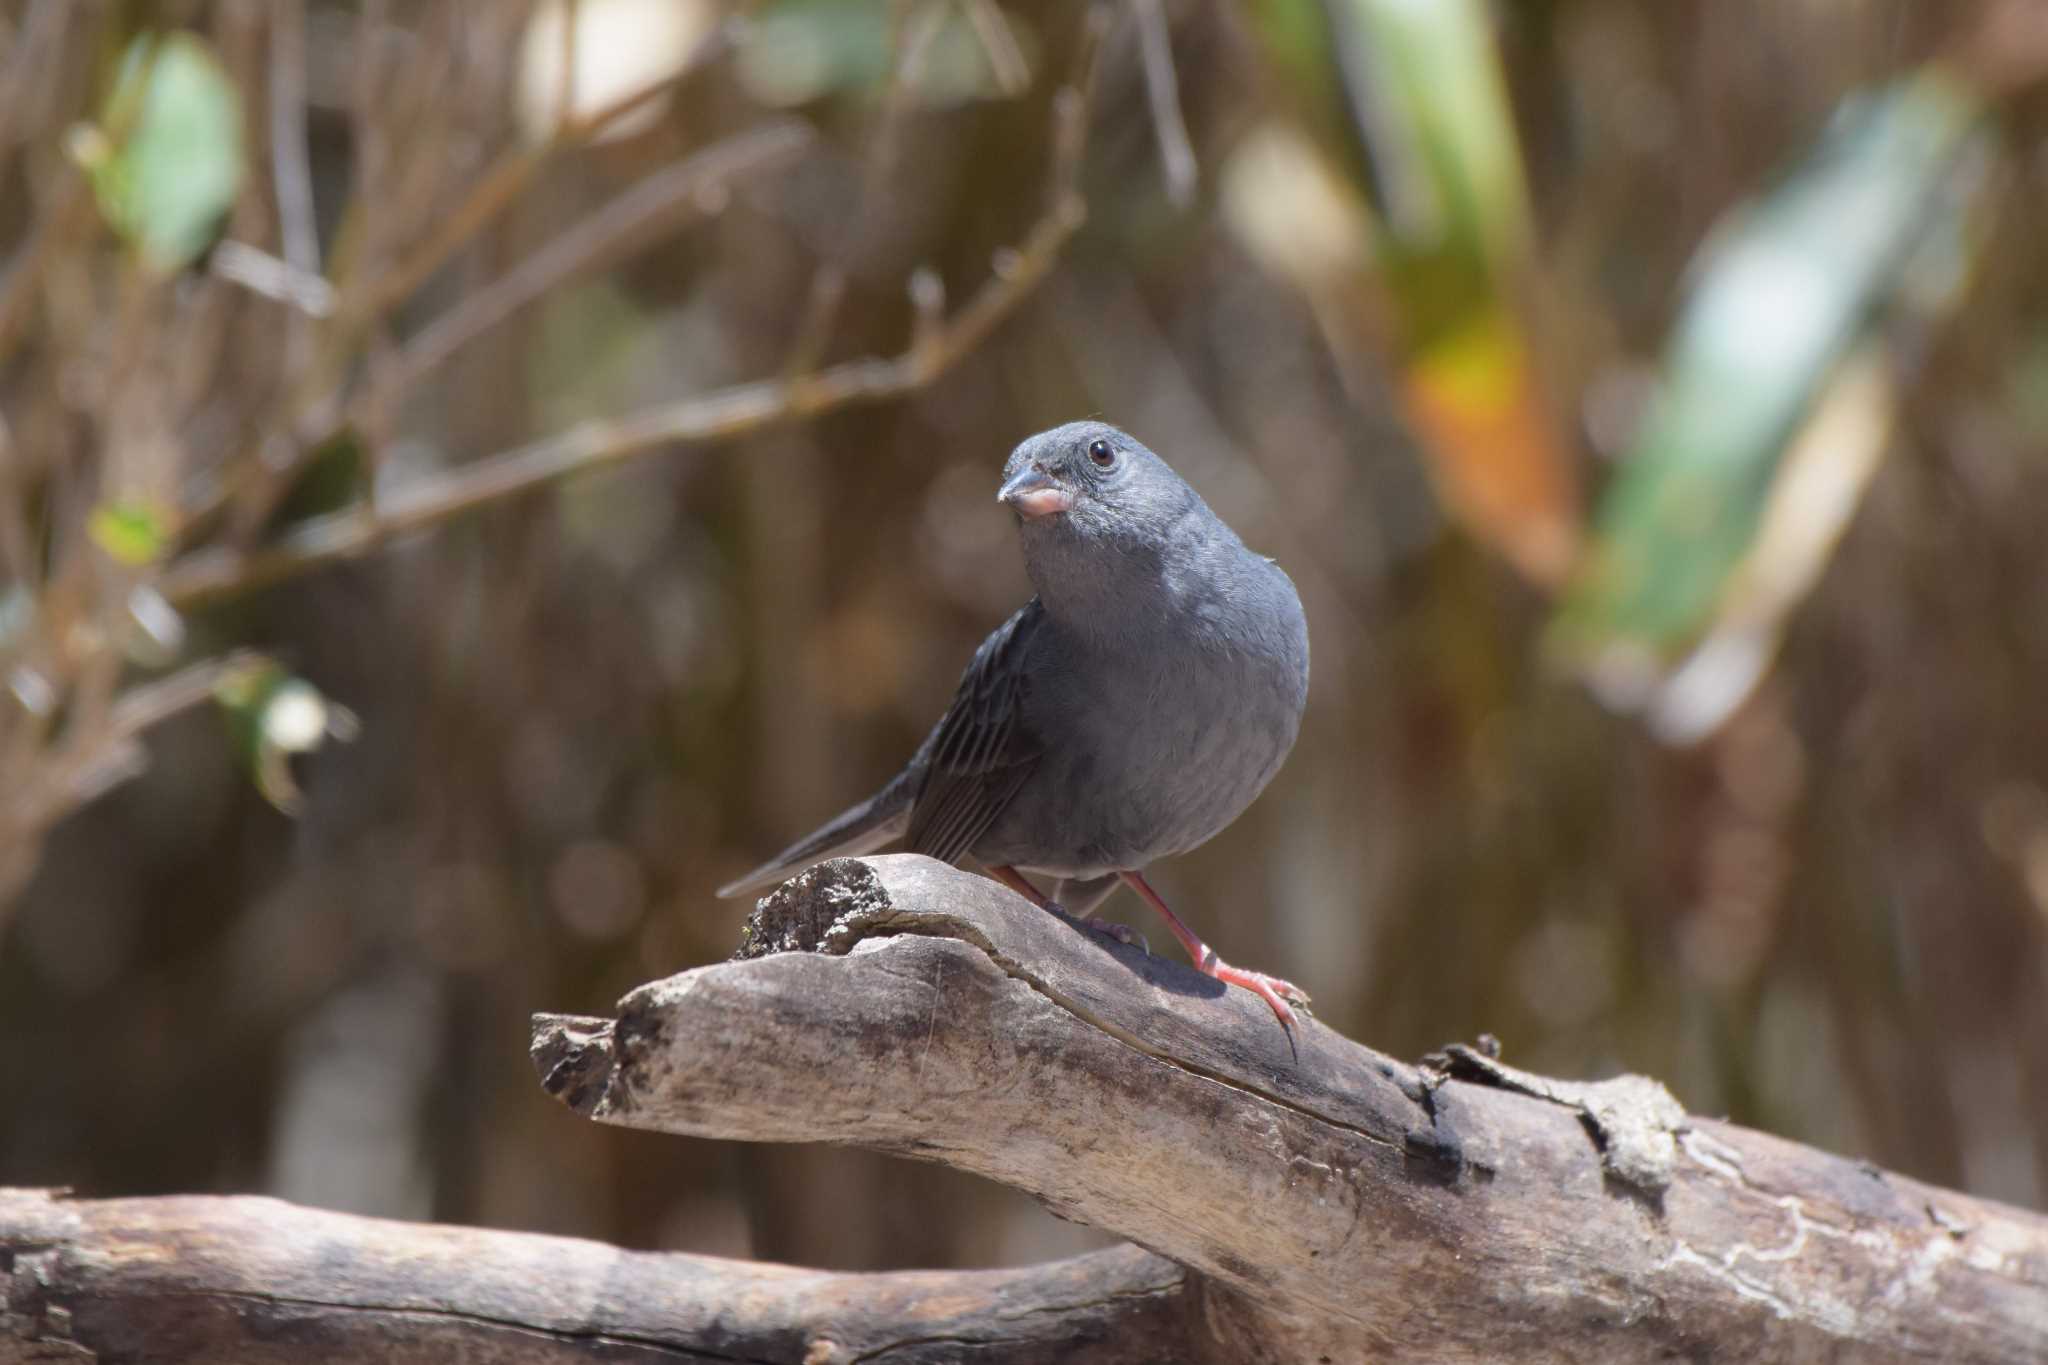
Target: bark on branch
x=1334, y=1203
x=248, y=1281
x=1304, y=1201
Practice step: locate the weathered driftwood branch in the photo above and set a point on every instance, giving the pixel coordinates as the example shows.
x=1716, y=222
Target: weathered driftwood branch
x=1300, y=1201
x=1332, y=1203
x=235, y=1281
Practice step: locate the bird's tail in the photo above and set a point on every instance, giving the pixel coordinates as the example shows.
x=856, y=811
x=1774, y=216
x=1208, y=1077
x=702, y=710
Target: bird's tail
x=864, y=828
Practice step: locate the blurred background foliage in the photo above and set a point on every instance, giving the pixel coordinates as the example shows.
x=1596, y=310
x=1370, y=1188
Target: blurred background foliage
x=1651, y=402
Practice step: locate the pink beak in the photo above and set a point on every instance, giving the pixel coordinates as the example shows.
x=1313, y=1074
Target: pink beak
x=1034, y=494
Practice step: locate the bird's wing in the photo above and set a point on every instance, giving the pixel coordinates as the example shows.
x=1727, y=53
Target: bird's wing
x=879, y=820
x=980, y=753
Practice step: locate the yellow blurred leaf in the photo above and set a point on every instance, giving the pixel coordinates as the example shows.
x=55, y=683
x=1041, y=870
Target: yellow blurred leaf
x=134, y=533
x=1427, y=132
x=1475, y=403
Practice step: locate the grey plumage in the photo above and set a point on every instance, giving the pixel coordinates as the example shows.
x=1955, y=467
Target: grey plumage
x=1127, y=713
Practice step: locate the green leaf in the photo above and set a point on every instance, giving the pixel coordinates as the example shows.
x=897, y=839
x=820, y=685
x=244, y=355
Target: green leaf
x=166, y=160
x=801, y=50
x=1411, y=97
x=331, y=479
x=1784, y=292
x=1776, y=402
x=272, y=715
x=1430, y=110
x=135, y=533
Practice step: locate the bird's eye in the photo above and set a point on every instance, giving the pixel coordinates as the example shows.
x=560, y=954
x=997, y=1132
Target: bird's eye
x=1100, y=451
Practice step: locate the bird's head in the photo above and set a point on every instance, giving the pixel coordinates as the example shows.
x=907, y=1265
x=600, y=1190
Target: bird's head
x=1088, y=482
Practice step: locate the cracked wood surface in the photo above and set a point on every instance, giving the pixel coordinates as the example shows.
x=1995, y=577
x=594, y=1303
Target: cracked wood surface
x=1332, y=1202
x=1296, y=1200
x=241, y=1280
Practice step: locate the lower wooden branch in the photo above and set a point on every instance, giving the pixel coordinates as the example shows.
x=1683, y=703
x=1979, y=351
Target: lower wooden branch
x=241, y=1280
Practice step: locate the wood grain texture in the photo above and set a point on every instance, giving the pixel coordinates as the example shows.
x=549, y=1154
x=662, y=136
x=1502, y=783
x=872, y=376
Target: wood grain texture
x=1290, y=1199
x=255, y=1280
x=1351, y=1205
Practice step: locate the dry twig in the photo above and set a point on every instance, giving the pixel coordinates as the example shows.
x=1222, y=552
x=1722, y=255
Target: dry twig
x=719, y=414
x=133, y=363
x=936, y=344
x=652, y=203
x=1162, y=90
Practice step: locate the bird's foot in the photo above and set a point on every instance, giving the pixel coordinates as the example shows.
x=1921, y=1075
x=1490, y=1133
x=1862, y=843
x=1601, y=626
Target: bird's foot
x=1271, y=989
x=1122, y=933
x=1018, y=882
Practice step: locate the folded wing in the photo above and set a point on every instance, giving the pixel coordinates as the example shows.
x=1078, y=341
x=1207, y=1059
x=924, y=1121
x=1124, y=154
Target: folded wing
x=980, y=753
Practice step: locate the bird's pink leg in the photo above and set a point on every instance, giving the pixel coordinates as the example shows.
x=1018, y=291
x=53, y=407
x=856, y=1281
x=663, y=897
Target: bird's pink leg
x=1019, y=883
x=1268, y=988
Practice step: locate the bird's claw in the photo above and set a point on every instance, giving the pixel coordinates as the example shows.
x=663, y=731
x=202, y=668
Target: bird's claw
x=1122, y=933
x=1274, y=991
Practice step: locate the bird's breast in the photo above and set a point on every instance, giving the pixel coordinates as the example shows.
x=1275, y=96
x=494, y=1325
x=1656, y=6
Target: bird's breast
x=1158, y=743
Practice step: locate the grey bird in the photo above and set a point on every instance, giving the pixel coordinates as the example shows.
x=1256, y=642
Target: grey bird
x=1125, y=714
